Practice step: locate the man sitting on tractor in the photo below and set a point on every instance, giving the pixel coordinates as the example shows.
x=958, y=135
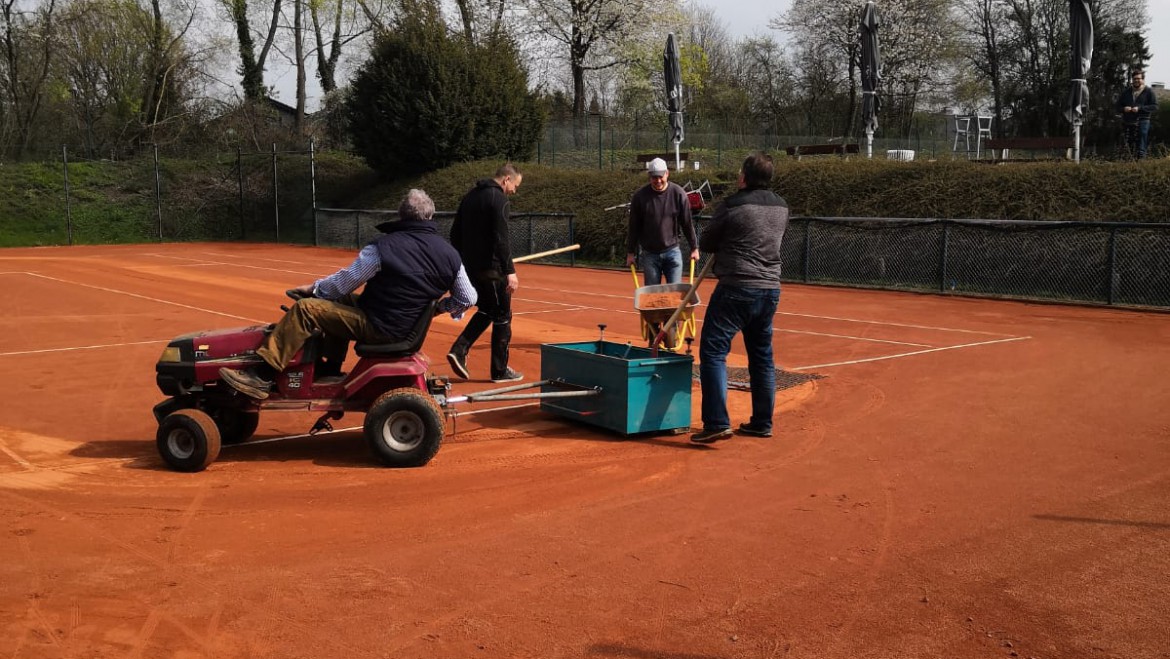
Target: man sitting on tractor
x=404, y=270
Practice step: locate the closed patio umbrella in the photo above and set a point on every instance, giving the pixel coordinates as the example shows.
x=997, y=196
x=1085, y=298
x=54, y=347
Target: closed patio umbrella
x=672, y=76
x=871, y=73
x=1080, y=25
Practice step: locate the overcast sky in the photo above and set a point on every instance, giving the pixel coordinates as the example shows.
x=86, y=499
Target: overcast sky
x=750, y=17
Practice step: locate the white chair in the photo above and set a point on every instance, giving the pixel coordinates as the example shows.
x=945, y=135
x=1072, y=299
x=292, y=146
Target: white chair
x=962, y=130
x=983, y=125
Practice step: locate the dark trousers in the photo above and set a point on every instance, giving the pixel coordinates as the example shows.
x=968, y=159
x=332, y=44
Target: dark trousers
x=1137, y=137
x=732, y=310
x=493, y=308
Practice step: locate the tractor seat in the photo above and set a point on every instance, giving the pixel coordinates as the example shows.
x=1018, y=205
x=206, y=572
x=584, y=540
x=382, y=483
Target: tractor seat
x=406, y=347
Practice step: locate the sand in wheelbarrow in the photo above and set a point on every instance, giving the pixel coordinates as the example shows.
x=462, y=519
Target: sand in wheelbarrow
x=668, y=300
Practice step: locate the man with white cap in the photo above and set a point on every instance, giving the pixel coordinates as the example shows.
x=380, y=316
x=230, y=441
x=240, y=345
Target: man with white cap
x=659, y=215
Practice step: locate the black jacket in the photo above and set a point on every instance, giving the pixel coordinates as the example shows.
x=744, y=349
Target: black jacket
x=480, y=232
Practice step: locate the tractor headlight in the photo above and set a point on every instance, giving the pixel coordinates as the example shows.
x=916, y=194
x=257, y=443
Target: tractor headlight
x=170, y=354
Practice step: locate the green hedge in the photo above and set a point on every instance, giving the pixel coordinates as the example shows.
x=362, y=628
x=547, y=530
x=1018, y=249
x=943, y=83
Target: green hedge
x=830, y=187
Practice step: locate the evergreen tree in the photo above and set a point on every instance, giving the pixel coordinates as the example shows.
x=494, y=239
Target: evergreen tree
x=428, y=98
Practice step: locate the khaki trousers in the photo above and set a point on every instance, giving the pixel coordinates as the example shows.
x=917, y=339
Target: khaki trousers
x=340, y=321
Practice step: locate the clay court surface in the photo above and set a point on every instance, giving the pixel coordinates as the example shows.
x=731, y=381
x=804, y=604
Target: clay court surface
x=969, y=478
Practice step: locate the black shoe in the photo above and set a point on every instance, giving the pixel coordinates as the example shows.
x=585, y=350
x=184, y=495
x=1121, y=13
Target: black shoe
x=246, y=382
x=458, y=364
x=710, y=436
x=509, y=376
x=748, y=429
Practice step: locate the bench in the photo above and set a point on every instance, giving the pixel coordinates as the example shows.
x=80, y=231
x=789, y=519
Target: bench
x=821, y=150
x=1004, y=145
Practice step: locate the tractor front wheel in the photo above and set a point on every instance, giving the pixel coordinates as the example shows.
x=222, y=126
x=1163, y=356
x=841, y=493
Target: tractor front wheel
x=188, y=440
x=404, y=427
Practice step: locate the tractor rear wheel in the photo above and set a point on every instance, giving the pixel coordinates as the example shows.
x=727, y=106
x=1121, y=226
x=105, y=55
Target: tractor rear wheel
x=188, y=440
x=404, y=427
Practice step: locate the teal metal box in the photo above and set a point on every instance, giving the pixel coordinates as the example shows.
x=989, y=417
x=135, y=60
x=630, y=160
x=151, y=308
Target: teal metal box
x=640, y=392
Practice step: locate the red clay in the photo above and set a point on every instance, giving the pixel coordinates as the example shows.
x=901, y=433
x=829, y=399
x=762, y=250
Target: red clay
x=1000, y=492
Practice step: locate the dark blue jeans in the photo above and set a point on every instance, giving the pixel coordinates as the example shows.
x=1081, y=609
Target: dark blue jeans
x=732, y=310
x=1137, y=137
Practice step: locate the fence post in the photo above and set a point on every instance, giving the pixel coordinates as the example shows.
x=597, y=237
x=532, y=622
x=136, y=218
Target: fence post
x=612, y=148
x=1111, y=286
x=808, y=226
x=275, y=193
x=531, y=238
x=943, y=254
x=68, y=212
x=600, y=143
x=240, y=187
x=157, y=194
x=572, y=240
x=313, y=183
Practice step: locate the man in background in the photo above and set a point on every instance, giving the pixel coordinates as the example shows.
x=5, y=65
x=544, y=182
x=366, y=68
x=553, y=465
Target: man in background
x=1137, y=104
x=659, y=214
x=480, y=233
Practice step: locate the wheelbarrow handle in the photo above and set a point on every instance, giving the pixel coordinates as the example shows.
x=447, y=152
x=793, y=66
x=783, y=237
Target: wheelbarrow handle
x=634, y=272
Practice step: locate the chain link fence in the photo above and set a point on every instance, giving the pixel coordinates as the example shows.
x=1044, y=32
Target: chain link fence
x=1108, y=263
x=529, y=233
x=614, y=143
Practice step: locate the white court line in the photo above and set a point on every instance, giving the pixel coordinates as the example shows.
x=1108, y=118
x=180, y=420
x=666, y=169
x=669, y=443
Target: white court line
x=791, y=313
x=529, y=313
x=144, y=297
x=890, y=324
x=107, y=345
x=906, y=354
x=351, y=428
x=853, y=338
x=205, y=262
x=254, y=258
x=9, y=452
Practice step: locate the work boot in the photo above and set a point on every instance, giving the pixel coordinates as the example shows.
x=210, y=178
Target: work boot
x=509, y=376
x=710, y=435
x=247, y=382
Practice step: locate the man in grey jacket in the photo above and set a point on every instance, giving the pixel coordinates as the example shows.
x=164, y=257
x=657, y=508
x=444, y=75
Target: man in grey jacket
x=744, y=236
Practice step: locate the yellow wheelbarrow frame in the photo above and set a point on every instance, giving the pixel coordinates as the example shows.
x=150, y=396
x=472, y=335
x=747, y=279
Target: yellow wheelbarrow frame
x=685, y=327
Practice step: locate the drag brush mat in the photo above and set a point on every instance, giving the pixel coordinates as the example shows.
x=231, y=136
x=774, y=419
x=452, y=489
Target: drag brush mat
x=737, y=378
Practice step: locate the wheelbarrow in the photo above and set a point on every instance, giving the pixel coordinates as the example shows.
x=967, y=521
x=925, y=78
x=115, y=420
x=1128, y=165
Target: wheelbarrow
x=657, y=305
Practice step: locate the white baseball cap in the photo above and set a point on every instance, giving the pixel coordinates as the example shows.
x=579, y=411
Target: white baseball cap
x=657, y=167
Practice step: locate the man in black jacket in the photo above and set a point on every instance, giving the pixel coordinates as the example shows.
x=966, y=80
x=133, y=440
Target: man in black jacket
x=744, y=238
x=1136, y=104
x=480, y=233
x=403, y=270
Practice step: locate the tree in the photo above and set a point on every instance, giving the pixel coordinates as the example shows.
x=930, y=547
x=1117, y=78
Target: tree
x=914, y=35
x=251, y=68
x=28, y=41
x=124, y=68
x=586, y=28
x=428, y=98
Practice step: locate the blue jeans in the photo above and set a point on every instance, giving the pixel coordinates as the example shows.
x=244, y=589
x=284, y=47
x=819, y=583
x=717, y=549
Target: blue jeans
x=732, y=310
x=666, y=264
x=1137, y=137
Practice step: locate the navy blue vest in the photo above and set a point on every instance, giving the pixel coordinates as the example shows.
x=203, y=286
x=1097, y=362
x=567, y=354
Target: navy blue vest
x=418, y=266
